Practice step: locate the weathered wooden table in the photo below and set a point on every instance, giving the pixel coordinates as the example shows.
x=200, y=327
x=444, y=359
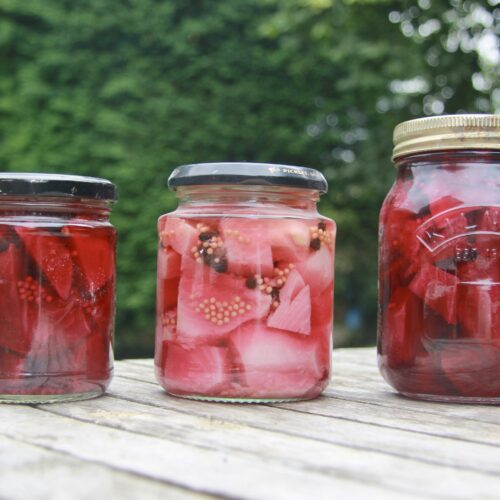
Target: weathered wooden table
x=358, y=441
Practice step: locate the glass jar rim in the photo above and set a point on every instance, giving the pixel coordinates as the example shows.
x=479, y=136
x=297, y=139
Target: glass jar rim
x=56, y=185
x=447, y=132
x=247, y=174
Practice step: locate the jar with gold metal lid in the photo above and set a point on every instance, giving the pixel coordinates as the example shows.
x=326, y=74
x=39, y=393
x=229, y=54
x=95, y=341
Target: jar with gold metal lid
x=439, y=264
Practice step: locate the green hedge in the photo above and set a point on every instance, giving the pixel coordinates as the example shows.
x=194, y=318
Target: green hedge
x=128, y=89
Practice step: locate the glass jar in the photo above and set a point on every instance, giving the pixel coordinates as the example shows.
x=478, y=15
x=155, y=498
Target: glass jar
x=57, y=287
x=439, y=280
x=245, y=284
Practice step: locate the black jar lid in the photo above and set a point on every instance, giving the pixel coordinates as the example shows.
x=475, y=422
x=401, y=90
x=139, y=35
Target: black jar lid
x=251, y=174
x=56, y=185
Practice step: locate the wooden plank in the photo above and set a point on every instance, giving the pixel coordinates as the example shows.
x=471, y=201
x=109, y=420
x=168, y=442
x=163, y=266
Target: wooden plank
x=440, y=420
x=432, y=425
x=219, y=472
x=28, y=471
x=136, y=371
x=337, y=431
x=139, y=361
x=356, y=378
x=234, y=437
x=358, y=441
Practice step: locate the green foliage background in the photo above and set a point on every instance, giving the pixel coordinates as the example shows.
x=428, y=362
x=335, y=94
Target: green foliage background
x=128, y=89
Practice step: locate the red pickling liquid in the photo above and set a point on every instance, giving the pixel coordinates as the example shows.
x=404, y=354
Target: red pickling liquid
x=439, y=275
x=57, y=300
x=244, y=307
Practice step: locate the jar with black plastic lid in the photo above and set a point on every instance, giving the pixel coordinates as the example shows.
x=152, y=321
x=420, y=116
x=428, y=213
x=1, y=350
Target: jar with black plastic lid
x=57, y=287
x=245, y=284
x=439, y=262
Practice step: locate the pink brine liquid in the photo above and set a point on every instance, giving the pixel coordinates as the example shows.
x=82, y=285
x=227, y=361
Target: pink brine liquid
x=244, y=307
x=57, y=302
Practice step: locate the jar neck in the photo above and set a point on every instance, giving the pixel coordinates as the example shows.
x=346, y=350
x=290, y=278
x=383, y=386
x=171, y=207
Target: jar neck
x=203, y=199
x=467, y=157
x=45, y=206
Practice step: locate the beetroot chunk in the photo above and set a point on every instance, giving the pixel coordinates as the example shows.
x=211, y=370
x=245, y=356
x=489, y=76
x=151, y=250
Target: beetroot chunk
x=437, y=289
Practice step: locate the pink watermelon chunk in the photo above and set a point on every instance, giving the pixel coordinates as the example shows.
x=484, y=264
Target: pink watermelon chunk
x=178, y=234
x=294, y=315
x=166, y=328
x=169, y=264
x=211, y=304
x=289, y=239
x=317, y=270
x=278, y=364
x=294, y=284
x=322, y=310
x=168, y=325
x=94, y=251
x=200, y=371
x=168, y=292
x=51, y=255
x=247, y=248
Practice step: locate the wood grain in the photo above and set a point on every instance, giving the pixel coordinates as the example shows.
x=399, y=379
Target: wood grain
x=32, y=472
x=360, y=440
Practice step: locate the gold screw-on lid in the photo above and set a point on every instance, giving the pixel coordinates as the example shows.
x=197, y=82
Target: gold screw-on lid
x=447, y=132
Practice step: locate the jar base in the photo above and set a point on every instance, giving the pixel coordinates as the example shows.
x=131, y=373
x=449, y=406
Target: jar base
x=47, y=398
x=213, y=399
x=436, y=398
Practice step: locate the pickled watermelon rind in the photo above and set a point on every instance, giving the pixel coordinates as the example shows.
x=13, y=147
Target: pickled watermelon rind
x=255, y=298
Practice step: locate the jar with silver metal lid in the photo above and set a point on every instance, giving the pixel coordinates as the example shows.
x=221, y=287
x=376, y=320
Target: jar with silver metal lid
x=245, y=284
x=57, y=287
